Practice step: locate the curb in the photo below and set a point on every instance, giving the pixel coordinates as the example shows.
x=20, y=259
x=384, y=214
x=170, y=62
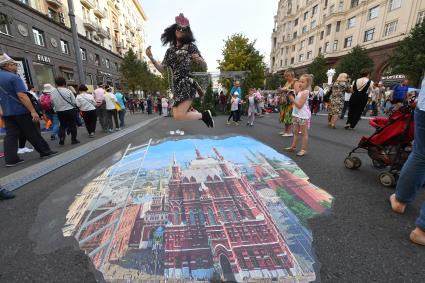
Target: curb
x=20, y=178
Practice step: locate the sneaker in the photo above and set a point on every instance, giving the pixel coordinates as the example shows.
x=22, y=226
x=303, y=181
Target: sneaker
x=117, y=129
x=75, y=142
x=236, y=124
x=251, y=125
x=28, y=150
x=21, y=150
x=110, y=131
x=50, y=153
x=91, y=135
x=228, y=123
x=15, y=163
x=5, y=194
x=288, y=135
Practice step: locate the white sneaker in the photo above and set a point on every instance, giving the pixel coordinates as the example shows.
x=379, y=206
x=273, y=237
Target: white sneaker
x=21, y=150
x=27, y=149
x=288, y=135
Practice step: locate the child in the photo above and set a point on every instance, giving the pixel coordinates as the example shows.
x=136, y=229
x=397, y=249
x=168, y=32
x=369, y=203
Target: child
x=234, y=109
x=301, y=114
x=251, y=107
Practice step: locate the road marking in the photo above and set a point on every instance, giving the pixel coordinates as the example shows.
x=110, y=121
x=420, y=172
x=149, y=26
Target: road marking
x=20, y=178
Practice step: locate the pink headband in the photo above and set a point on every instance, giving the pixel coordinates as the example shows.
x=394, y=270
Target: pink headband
x=182, y=21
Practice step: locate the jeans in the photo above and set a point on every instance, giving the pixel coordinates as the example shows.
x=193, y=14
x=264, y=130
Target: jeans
x=102, y=116
x=412, y=175
x=15, y=127
x=55, y=123
x=67, y=121
x=112, y=113
x=234, y=115
x=121, y=116
x=90, y=120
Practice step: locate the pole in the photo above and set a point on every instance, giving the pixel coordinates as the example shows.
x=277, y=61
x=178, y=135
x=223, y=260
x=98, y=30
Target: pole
x=81, y=76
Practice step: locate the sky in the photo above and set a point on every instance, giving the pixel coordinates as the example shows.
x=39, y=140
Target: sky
x=212, y=21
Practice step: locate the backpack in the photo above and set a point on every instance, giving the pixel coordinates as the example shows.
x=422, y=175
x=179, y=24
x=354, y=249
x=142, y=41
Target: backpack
x=46, y=102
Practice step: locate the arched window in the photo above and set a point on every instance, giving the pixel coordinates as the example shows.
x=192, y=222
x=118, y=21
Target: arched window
x=176, y=217
x=233, y=213
x=201, y=216
x=211, y=217
x=192, y=217
x=223, y=215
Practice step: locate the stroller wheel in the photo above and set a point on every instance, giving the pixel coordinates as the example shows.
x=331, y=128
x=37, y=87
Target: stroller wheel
x=357, y=162
x=352, y=162
x=378, y=164
x=387, y=179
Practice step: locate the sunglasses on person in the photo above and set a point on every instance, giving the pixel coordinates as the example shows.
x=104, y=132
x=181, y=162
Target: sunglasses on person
x=182, y=29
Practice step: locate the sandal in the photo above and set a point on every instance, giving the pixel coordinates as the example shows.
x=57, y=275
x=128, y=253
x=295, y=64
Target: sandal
x=302, y=152
x=396, y=205
x=290, y=149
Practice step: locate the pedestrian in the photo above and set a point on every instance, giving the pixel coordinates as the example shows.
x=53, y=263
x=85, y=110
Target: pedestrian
x=339, y=88
x=399, y=92
x=49, y=111
x=87, y=105
x=63, y=101
x=22, y=149
x=234, y=109
x=374, y=97
x=18, y=113
x=301, y=114
x=112, y=110
x=237, y=89
x=180, y=55
x=315, y=101
x=222, y=102
x=412, y=175
x=164, y=105
x=285, y=115
x=159, y=104
x=360, y=91
x=122, y=102
x=99, y=96
x=149, y=105
x=251, y=107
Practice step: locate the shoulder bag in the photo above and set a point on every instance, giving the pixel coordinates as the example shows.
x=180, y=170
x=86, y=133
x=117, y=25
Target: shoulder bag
x=73, y=105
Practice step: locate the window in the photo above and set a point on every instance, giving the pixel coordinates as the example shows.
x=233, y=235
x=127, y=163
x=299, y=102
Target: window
x=192, y=217
x=108, y=63
x=89, y=79
x=301, y=57
x=38, y=36
x=309, y=53
x=211, y=217
x=348, y=41
x=341, y=6
x=83, y=54
x=310, y=40
x=314, y=11
x=335, y=47
x=351, y=22
x=302, y=44
x=223, y=215
x=64, y=47
x=313, y=24
x=326, y=46
x=421, y=17
x=295, y=35
x=394, y=4
x=321, y=34
x=293, y=47
x=338, y=26
x=97, y=59
x=304, y=29
x=373, y=13
x=292, y=60
x=286, y=62
x=4, y=28
x=368, y=35
x=281, y=63
x=201, y=216
x=390, y=28
x=331, y=9
x=295, y=22
x=328, y=29
x=305, y=15
x=68, y=76
x=116, y=66
x=354, y=3
x=320, y=50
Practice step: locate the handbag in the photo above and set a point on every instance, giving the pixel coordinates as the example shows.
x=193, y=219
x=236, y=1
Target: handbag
x=116, y=104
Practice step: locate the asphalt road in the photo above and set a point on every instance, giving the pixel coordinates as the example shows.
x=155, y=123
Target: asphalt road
x=360, y=240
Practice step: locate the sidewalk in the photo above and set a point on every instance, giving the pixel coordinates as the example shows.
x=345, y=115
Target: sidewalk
x=34, y=158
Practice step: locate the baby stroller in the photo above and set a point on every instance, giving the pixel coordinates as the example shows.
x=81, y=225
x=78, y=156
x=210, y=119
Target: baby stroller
x=389, y=146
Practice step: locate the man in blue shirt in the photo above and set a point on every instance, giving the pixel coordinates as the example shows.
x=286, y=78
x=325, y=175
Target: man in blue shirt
x=122, y=102
x=237, y=89
x=18, y=114
x=400, y=91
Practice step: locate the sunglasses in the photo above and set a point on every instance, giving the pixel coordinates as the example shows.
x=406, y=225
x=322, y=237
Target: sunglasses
x=182, y=29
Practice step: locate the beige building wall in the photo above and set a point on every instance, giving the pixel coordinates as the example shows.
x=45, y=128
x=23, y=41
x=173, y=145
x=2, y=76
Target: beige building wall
x=305, y=28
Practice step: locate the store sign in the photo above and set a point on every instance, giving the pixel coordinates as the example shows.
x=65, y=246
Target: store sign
x=393, y=77
x=43, y=58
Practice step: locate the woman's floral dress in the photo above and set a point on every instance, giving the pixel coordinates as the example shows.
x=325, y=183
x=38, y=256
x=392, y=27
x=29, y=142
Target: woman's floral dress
x=337, y=97
x=286, y=107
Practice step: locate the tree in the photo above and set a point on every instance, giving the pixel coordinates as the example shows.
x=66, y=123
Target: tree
x=274, y=81
x=353, y=62
x=239, y=54
x=409, y=57
x=131, y=69
x=318, y=68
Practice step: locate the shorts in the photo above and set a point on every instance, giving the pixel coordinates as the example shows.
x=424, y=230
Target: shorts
x=299, y=121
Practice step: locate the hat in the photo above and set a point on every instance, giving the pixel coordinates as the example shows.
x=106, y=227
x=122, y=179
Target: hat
x=182, y=21
x=47, y=88
x=5, y=59
x=236, y=93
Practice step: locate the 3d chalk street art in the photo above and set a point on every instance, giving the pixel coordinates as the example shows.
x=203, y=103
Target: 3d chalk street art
x=205, y=209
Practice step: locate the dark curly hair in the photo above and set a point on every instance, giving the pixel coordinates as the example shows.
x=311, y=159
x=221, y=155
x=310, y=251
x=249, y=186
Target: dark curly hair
x=169, y=36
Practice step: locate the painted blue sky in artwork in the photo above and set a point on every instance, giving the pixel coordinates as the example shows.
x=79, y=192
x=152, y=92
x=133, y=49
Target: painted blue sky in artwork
x=234, y=149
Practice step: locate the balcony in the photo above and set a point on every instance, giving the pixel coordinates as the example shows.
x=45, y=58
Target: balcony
x=99, y=12
x=89, y=4
x=101, y=32
x=89, y=25
x=54, y=3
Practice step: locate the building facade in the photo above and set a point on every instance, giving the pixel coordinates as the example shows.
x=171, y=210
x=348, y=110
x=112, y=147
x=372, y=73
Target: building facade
x=306, y=28
x=40, y=39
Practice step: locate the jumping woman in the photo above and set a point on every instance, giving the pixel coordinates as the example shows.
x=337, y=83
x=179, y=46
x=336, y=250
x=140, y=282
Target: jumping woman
x=181, y=53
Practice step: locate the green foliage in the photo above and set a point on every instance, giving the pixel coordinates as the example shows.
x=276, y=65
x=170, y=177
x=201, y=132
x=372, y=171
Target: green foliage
x=318, y=68
x=207, y=102
x=274, y=81
x=5, y=19
x=239, y=54
x=353, y=62
x=409, y=57
x=302, y=211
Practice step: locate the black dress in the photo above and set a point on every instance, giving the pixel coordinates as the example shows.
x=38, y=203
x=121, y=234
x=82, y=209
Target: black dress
x=183, y=86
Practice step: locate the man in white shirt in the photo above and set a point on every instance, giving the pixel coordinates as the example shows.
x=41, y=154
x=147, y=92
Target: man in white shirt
x=412, y=175
x=99, y=96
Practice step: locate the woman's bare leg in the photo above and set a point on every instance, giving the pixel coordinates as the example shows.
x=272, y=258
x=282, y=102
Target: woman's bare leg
x=304, y=133
x=295, y=138
x=181, y=112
